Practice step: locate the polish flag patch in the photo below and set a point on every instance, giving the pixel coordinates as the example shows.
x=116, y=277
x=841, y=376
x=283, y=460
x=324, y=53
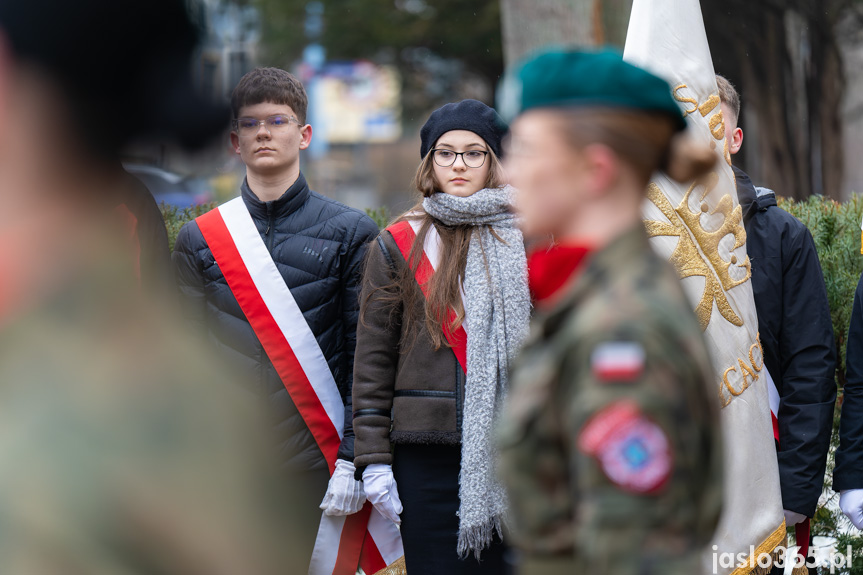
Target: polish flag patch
x=617, y=361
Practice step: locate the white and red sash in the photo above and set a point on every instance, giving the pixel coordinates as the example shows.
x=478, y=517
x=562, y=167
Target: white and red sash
x=801, y=530
x=773, y=397
x=404, y=233
x=366, y=538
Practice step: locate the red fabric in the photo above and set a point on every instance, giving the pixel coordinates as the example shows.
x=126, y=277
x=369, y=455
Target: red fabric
x=801, y=533
x=551, y=268
x=353, y=545
x=131, y=223
x=371, y=559
x=404, y=236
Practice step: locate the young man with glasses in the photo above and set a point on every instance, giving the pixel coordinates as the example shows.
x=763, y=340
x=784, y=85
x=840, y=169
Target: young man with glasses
x=299, y=358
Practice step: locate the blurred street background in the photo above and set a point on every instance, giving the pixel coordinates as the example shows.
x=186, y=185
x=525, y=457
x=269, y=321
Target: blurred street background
x=375, y=69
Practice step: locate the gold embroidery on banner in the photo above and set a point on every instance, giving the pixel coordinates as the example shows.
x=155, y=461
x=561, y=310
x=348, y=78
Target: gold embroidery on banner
x=717, y=126
x=726, y=401
x=683, y=100
x=706, y=262
x=749, y=370
x=755, y=345
x=709, y=104
x=397, y=568
x=769, y=545
x=716, y=121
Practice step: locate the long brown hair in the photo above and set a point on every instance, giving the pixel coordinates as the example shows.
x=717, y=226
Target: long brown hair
x=444, y=288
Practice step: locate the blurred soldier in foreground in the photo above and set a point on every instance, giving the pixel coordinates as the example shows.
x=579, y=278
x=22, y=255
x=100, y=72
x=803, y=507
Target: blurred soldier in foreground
x=122, y=450
x=610, y=441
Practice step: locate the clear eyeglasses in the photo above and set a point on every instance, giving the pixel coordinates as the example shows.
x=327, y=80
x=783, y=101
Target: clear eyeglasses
x=446, y=158
x=248, y=126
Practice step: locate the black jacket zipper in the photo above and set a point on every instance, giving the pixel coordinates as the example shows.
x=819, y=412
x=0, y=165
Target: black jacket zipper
x=271, y=219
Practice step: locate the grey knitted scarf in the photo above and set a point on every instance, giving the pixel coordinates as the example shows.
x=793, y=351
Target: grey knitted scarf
x=497, y=311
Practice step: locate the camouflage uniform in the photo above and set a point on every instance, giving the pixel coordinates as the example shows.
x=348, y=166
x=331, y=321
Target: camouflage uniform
x=125, y=450
x=610, y=440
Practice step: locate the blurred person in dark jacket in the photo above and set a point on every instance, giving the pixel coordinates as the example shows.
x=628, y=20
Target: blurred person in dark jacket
x=122, y=449
x=848, y=473
x=148, y=238
x=795, y=329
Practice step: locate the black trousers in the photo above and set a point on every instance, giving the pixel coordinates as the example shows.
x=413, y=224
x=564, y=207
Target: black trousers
x=427, y=482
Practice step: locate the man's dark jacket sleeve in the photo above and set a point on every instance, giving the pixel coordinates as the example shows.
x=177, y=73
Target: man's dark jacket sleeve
x=848, y=473
x=365, y=232
x=808, y=364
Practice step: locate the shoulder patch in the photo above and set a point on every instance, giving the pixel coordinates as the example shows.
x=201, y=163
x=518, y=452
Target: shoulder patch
x=633, y=451
x=617, y=361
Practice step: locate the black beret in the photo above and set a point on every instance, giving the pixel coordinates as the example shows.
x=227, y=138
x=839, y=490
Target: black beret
x=470, y=115
x=572, y=78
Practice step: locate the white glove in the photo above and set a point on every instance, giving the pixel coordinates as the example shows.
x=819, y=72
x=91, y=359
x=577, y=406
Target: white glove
x=380, y=486
x=793, y=518
x=345, y=494
x=851, y=503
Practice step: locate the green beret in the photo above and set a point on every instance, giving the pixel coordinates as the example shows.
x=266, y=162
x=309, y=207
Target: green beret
x=562, y=78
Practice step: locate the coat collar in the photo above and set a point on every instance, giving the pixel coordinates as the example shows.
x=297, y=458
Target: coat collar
x=750, y=200
x=289, y=202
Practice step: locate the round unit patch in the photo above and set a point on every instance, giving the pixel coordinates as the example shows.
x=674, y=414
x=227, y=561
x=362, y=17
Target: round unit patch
x=632, y=450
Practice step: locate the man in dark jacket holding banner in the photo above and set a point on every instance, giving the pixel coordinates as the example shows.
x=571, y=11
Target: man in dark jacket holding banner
x=795, y=330
x=272, y=279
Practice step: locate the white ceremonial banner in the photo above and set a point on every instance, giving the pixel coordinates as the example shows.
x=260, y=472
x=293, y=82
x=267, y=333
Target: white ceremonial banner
x=698, y=226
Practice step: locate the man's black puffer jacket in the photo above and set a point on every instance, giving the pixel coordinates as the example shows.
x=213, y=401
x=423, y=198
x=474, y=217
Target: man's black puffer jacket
x=318, y=246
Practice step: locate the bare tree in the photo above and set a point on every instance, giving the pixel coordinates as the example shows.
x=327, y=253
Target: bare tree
x=531, y=24
x=783, y=54
x=784, y=57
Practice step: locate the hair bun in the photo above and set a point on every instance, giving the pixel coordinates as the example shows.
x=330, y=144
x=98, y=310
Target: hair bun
x=688, y=160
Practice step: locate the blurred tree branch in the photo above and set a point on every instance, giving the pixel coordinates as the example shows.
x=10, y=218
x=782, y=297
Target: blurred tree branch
x=427, y=41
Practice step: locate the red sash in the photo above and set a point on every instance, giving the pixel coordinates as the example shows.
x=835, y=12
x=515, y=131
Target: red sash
x=365, y=538
x=404, y=235
x=802, y=529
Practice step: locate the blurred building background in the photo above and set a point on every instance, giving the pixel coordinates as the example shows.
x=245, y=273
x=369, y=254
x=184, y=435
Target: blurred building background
x=375, y=69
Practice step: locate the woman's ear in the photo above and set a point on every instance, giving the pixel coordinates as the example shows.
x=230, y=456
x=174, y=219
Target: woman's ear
x=498, y=174
x=602, y=168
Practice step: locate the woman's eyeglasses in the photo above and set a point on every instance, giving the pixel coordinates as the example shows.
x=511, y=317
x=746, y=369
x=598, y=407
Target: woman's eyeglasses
x=446, y=158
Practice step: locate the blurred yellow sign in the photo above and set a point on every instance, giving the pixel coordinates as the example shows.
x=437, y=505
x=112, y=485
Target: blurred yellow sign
x=360, y=103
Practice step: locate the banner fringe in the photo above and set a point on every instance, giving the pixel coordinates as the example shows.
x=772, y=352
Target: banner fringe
x=769, y=545
x=397, y=568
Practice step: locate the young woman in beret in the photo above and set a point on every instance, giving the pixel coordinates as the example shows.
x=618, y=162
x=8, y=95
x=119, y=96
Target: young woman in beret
x=444, y=308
